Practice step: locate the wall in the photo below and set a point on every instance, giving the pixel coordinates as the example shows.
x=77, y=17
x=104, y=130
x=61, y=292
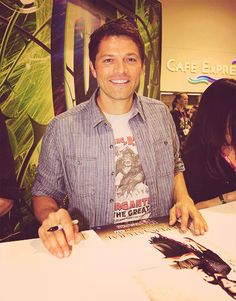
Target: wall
x=198, y=43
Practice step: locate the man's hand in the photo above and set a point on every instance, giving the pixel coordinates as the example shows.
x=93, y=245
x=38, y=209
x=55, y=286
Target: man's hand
x=59, y=242
x=186, y=211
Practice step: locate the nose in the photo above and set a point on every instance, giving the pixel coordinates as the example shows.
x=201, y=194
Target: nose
x=120, y=66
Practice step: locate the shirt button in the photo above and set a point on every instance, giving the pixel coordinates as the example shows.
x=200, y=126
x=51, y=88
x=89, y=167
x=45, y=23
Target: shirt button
x=111, y=200
x=113, y=173
x=111, y=146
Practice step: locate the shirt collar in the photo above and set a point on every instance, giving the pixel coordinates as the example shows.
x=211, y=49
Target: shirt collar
x=139, y=106
x=97, y=116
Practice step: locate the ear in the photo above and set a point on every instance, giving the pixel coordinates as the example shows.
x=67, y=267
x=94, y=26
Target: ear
x=92, y=69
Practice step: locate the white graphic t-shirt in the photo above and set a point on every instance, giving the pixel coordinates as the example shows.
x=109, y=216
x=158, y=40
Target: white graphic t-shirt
x=132, y=194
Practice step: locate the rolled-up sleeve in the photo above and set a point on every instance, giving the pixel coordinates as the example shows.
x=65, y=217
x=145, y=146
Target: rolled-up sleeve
x=49, y=179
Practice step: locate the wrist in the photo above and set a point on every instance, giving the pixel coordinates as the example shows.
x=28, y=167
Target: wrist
x=184, y=198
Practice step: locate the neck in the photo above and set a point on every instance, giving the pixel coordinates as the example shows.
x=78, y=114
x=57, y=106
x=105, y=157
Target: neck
x=114, y=107
x=179, y=107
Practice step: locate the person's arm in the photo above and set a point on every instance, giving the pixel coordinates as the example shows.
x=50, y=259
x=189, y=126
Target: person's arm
x=184, y=208
x=47, y=212
x=47, y=190
x=5, y=205
x=227, y=197
x=43, y=206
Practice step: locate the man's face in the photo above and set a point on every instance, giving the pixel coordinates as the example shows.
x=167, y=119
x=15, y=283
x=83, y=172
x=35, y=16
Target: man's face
x=117, y=68
x=183, y=101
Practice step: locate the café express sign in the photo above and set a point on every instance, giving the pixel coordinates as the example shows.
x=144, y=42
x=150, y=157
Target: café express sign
x=204, y=67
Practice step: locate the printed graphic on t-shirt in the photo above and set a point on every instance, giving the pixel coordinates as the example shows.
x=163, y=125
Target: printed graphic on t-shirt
x=132, y=194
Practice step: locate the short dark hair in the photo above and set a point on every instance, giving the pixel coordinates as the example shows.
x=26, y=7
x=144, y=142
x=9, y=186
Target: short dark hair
x=115, y=27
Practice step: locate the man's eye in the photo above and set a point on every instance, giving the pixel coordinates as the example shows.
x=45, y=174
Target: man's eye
x=107, y=61
x=132, y=60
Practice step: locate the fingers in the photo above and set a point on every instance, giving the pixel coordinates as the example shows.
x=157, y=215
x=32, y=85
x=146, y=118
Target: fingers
x=69, y=229
x=55, y=242
x=172, y=217
x=179, y=214
x=184, y=218
x=189, y=217
x=199, y=224
x=58, y=242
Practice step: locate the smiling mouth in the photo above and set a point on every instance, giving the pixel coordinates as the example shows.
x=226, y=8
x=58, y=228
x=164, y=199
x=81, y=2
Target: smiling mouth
x=120, y=81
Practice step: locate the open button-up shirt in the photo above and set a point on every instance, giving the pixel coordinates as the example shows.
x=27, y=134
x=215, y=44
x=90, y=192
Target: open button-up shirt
x=78, y=159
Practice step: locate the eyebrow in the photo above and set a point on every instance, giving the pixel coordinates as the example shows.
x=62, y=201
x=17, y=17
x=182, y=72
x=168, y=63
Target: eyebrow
x=127, y=54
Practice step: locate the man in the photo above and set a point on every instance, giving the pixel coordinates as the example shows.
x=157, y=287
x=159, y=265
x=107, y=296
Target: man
x=115, y=156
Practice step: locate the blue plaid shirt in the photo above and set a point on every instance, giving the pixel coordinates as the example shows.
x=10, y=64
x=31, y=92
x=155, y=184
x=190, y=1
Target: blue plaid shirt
x=78, y=159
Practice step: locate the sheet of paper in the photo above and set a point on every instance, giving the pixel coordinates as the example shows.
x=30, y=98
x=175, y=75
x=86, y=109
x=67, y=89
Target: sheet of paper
x=30, y=273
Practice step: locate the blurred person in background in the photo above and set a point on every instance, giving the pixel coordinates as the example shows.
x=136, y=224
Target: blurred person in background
x=181, y=116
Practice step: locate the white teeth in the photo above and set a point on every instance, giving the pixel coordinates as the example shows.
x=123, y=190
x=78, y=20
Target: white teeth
x=119, y=81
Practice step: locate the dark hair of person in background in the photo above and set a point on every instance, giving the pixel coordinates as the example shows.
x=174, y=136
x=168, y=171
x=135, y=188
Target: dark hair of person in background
x=117, y=27
x=216, y=114
x=174, y=103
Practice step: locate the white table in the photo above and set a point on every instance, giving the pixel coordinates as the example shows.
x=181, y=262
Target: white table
x=29, y=273
x=95, y=271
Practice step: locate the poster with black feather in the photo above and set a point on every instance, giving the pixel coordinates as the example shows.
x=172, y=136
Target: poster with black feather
x=171, y=265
